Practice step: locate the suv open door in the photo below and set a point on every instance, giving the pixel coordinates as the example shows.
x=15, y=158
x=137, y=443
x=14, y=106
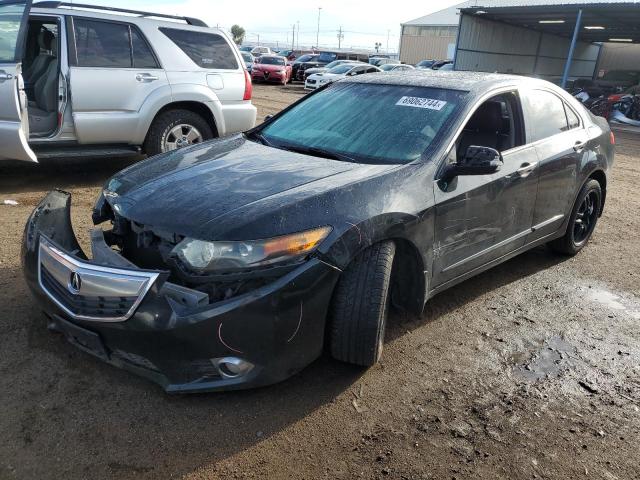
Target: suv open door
x=14, y=120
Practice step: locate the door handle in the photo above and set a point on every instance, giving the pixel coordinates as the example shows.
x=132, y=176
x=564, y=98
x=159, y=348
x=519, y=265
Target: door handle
x=146, y=77
x=579, y=146
x=4, y=76
x=526, y=169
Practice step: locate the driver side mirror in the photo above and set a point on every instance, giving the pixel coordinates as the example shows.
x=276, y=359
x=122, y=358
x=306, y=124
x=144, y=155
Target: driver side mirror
x=477, y=161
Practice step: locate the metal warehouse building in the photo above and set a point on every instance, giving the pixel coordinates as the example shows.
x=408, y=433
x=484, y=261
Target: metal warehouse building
x=529, y=37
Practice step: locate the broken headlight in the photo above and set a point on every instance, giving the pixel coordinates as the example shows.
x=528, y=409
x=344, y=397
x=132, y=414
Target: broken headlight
x=209, y=257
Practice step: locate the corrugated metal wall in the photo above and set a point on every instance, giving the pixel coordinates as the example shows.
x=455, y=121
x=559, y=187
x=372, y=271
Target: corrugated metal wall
x=618, y=56
x=489, y=46
x=425, y=42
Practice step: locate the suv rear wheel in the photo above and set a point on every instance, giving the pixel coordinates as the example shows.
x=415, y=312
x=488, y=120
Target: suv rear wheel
x=175, y=129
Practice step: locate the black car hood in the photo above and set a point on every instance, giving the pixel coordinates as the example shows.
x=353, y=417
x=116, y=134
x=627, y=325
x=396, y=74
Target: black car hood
x=190, y=188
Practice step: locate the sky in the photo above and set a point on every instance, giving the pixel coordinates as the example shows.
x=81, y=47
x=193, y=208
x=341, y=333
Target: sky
x=364, y=22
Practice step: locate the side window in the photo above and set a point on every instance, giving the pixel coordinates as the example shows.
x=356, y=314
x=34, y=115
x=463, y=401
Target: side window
x=372, y=70
x=496, y=123
x=102, y=44
x=572, y=118
x=207, y=50
x=142, y=55
x=544, y=114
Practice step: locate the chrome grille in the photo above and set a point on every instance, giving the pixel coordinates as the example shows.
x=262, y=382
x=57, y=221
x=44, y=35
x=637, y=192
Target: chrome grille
x=91, y=292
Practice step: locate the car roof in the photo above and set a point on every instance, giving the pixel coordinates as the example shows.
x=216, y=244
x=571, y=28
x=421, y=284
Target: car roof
x=474, y=82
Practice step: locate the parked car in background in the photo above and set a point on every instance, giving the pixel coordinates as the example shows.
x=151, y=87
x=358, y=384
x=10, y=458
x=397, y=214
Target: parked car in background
x=232, y=264
x=378, y=61
x=288, y=54
x=441, y=63
x=249, y=60
x=302, y=60
x=329, y=66
x=246, y=48
x=425, y=64
x=259, y=51
x=318, y=80
x=447, y=67
x=321, y=60
x=103, y=81
x=271, y=68
x=396, y=67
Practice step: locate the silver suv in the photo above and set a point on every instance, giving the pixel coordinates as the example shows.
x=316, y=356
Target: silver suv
x=87, y=80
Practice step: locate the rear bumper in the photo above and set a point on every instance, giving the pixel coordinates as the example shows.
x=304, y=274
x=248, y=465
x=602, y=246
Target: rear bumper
x=238, y=117
x=278, y=329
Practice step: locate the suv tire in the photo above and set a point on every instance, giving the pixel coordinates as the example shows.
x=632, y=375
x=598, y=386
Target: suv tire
x=582, y=222
x=161, y=131
x=360, y=306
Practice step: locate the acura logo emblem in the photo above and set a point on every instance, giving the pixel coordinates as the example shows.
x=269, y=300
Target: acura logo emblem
x=75, y=282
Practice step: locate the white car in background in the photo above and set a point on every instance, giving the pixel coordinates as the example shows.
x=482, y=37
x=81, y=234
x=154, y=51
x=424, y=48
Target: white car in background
x=310, y=71
x=317, y=80
x=396, y=67
x=259, y=51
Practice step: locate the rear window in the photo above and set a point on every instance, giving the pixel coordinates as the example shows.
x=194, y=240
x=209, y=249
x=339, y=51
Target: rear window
x=111, y=45
x=326, y=57
x=207, y=50
x=404, y=121
x=102, y=44
x=544, y=113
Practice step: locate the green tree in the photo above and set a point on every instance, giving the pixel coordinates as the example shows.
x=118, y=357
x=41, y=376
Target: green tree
x=238, y=33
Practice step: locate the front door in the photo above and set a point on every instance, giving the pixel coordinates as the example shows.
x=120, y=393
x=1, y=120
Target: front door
x=480, y=218
x=113, y=72
x=14, y=120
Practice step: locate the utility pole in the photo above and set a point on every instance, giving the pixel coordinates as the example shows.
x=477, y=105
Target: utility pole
x=318, y=31
x=293, y=38
x=340, y=36
x=378, y=45
x=298, y=36
x=388, y=33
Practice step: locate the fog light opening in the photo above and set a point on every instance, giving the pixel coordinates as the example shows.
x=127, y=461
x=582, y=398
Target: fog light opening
x=232, y=367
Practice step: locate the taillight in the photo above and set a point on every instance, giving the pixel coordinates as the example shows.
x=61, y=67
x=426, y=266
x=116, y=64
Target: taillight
x=248, y=86
x=612, y=138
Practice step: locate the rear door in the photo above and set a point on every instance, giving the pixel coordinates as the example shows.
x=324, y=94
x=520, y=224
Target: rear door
x=14, y=121
x=113, y=72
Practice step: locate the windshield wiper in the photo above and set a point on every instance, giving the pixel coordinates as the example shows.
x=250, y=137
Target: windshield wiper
x=321, y=152
x=261, y=138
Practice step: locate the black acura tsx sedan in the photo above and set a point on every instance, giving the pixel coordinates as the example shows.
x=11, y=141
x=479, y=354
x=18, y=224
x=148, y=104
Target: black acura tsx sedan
x=234, y=263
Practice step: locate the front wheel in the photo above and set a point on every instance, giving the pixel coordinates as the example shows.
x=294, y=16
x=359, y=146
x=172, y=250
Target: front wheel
x=176, y=129
x=360, y=306
x=582, y=222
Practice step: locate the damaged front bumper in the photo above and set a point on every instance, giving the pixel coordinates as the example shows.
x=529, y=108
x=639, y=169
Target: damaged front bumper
x=137, y=320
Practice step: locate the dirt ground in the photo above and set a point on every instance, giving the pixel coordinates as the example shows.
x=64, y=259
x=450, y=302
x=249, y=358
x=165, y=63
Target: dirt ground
x=530, y=370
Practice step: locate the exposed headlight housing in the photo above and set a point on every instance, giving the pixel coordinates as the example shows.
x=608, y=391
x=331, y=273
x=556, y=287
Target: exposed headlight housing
x=210, y=257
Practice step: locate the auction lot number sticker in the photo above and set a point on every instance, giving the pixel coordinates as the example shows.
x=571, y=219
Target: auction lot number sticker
x=419, y=102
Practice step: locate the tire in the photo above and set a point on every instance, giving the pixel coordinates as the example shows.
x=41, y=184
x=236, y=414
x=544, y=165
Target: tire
x=360, y=304
x=582, y=221
x=165, y=122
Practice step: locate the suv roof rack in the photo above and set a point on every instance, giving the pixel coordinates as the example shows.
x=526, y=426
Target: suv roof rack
x=191, y=21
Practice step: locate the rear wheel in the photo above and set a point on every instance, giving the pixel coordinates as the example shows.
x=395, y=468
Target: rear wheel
x=360, y=306
x=176, y=129
x=582, y=222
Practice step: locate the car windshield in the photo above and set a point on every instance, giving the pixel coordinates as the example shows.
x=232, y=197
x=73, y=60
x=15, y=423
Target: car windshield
x=388, y=66
x=426, y=63
x=306, y=58
x=335, y=63
x=326, y=57
x=247, y=57
x=366, y=123
x=344, y=68
x=272, y=60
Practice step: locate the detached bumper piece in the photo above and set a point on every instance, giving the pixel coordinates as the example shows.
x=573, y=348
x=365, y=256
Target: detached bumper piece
x=137, y=320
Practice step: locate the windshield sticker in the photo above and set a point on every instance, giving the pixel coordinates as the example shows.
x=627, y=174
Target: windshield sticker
x=419, y=102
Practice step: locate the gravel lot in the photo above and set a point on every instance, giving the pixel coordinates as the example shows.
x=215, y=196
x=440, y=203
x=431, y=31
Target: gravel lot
x=531, y=370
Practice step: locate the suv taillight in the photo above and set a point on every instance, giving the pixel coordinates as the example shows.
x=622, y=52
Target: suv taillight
x=248, y=86
x=612, y=138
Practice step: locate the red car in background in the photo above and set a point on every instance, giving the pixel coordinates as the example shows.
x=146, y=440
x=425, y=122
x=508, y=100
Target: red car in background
x=271, y=68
